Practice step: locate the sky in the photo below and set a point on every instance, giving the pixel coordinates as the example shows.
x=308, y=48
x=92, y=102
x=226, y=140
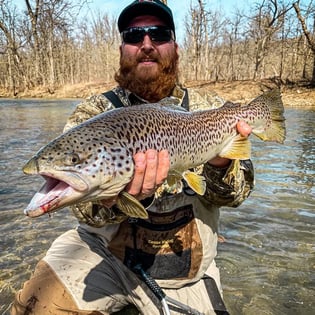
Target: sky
x=178, y=7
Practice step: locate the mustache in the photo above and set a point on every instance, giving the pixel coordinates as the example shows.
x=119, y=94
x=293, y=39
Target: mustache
x=153, y=57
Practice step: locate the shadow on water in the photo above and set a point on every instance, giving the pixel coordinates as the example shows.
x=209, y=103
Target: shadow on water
x=267, y=262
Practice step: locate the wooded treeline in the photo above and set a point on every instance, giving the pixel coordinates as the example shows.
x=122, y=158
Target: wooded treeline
x=50, y=43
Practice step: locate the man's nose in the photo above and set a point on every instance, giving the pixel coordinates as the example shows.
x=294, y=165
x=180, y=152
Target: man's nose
x=147, y=43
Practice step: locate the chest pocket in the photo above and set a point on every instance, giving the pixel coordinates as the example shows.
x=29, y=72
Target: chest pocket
x=168, y=246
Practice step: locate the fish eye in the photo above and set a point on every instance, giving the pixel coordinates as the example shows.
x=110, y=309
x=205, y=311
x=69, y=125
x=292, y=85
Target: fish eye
x=72, y=159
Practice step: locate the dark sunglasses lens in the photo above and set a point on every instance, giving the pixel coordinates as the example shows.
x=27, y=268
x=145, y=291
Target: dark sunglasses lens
x=133, y=36
x=160, y=35
x=156, y=33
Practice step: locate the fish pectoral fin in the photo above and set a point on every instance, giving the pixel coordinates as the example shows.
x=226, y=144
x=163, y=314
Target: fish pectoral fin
x=240, y=148
x=261, y=135
x=131, y=206
x=196, y=182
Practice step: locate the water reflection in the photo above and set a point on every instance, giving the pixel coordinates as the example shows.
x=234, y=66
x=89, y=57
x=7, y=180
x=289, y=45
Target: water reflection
x=267, y=262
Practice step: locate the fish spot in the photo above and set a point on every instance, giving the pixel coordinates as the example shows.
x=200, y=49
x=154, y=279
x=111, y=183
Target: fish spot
x=114, y=150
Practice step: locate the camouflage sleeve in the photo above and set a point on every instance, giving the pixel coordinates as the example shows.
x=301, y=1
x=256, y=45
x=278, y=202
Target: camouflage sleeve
x=203, y=99
x=229, y=186
x=87, y=109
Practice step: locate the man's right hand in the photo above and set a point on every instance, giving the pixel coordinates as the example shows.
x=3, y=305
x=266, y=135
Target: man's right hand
x=151, y=169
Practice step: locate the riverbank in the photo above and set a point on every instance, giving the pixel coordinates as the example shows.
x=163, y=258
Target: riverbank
x=238, y=91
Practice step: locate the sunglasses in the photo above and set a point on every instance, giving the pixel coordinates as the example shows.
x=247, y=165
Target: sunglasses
x=134, y=35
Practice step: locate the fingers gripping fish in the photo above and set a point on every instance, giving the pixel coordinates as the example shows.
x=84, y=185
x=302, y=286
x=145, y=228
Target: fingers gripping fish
x=93, y=160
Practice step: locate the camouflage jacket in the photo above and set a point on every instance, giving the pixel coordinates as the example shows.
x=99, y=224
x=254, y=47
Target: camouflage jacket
x=225, y=186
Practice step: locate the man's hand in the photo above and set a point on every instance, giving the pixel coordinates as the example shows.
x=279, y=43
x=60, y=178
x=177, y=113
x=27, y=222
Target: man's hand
x=151, y=169
x=244, y=130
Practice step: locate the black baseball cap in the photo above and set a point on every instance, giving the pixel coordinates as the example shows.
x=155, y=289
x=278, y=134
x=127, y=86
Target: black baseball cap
x=146, y=7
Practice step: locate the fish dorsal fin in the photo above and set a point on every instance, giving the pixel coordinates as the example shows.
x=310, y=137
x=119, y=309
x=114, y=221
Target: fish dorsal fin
x=239, y=148
x=231, y=105
x=196, y=182
x=130, y=206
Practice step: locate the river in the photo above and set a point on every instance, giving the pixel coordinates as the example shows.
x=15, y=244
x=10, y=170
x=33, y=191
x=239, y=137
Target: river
x=267, y=261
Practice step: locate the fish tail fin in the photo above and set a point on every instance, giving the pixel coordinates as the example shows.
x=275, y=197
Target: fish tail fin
x=276, y=130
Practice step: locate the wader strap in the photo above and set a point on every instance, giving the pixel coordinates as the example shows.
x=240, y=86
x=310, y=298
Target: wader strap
x=215, y=296
x=114, y=99
x=185, y=103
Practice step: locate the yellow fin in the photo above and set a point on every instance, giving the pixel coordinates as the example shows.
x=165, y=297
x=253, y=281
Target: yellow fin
x=195, y=182
x=131, y=206
x=276, y=131
x=240, y=148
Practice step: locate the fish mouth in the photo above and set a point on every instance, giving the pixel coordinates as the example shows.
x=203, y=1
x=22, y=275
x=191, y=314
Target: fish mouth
x=55, y=194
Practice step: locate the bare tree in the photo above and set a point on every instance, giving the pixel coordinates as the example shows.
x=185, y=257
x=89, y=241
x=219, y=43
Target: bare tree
x=233, y=38
x=266, y=22
x=44, y=45
x=203, y=30
x=196, y=35
x=33, y=14
x=309, y=37
x=50, y=23
x=9, y=26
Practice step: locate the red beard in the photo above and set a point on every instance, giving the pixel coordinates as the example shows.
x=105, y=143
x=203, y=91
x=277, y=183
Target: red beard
x=152, y=83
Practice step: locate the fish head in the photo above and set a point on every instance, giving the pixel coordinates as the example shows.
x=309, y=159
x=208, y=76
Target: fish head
x=77, y=169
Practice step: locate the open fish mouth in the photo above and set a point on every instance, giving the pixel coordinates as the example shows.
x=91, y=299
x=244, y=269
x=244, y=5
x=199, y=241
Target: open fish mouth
x=53, y=195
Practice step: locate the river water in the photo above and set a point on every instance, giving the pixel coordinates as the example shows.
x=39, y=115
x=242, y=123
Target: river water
x=267, y=261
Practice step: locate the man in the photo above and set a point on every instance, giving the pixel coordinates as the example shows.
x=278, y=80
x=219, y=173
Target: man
x=109, y=263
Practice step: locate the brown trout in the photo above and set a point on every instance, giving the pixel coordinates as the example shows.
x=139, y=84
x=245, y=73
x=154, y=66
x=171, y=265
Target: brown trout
x=94, y=160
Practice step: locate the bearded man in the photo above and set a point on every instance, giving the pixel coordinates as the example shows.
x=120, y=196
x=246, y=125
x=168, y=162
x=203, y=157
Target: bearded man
x=114, y=264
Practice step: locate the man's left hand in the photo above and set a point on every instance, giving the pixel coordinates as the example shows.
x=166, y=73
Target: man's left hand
x=244, y=130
